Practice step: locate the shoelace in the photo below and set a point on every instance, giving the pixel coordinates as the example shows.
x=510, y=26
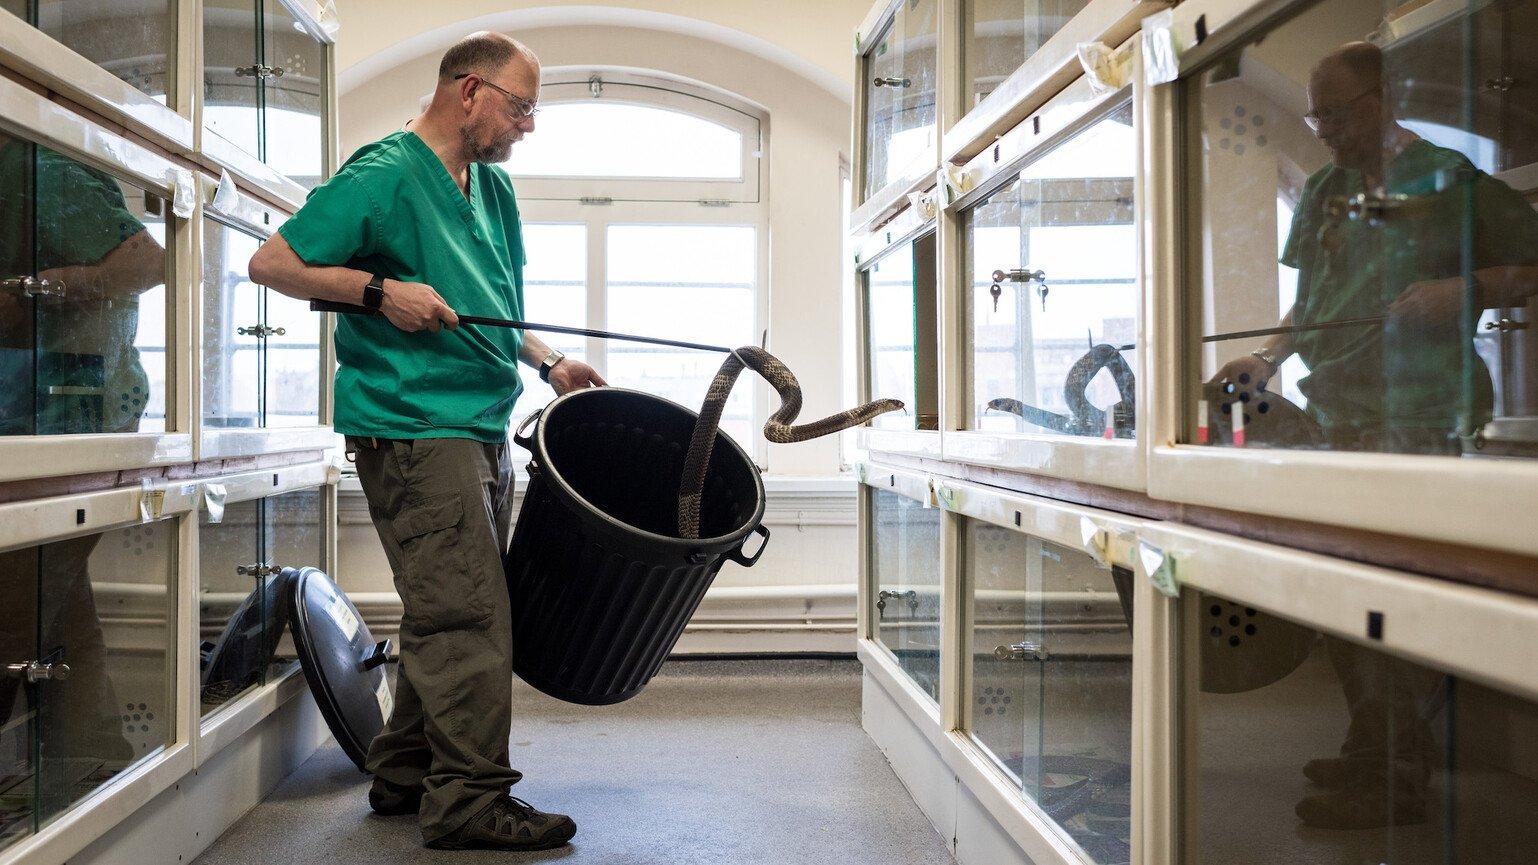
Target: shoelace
x=524, y=810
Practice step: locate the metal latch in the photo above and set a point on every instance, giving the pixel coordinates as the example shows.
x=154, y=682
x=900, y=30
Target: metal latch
x=1021, y=275
x=259, y=71
x=1506, y=325
x=1021, y=652
x=261, y=331
x=258, y=570
x=37, y=671
x=893, y=82
x=31, y=286
x=911, y=596
x=595, y=200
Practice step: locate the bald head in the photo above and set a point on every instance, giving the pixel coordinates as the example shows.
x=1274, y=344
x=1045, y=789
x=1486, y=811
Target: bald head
x=484, y=53
x=1359, y=63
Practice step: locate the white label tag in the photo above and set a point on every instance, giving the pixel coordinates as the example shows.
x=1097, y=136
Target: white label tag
x=1093, y=538
x=342, y=614
x=385, y=698
x=1160, y=568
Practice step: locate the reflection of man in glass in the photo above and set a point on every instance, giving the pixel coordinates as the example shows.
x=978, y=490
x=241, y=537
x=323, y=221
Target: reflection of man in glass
x=1399, y=382
x=68, y=365
x=67, y=355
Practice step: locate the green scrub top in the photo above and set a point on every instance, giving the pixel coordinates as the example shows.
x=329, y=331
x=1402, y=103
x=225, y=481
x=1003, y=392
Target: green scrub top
x=394, y=210
x=1384, y=378
x=56, y=212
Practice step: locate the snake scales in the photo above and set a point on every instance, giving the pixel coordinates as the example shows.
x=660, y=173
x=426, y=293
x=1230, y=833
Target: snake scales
x=778, y=430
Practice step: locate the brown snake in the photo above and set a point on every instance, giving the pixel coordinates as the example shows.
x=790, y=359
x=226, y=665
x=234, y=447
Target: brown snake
x=691, y=490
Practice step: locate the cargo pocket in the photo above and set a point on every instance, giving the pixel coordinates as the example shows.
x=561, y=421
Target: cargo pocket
x=438, y=591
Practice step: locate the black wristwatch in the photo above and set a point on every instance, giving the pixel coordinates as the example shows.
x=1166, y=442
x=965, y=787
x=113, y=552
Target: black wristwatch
x=551, y=359
x=373, y=293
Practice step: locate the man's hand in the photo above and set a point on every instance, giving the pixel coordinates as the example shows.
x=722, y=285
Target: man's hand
x=1257, y=371
x=570, y=374
x=413, y=306
x=1430, y=305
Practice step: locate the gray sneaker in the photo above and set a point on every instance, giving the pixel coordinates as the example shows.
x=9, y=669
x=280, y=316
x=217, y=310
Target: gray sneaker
x=509, y=823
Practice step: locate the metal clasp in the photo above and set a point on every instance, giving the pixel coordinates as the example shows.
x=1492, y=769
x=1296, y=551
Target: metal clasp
x=1507, y=325
x=1021, y=652
x=31, y=286
x=259, y=71
x=257, y=570
x=1371, y=208
x=261, y=331
x=37, y=671
x=893, y=82
x=911, y=596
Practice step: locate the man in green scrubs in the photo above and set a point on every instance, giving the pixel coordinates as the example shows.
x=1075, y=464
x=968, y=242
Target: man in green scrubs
x=421, y=224
x=1405, y=384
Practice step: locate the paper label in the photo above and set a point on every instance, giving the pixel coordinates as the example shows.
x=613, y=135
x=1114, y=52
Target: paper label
x=226, y=196
x=385, y=698
x=1093, y=539
x=1161, y=54
x=183, y=194
x=342, y=614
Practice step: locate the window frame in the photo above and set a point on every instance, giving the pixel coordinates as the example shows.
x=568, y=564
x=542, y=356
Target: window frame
x=577, y=85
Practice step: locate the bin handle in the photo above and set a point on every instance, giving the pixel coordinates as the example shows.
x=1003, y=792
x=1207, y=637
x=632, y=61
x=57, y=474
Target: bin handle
x=736, y=555
x=521, y=440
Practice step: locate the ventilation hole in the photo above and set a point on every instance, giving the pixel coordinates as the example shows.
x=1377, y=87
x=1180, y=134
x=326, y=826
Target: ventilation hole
x=1258, y=120
x=1244, y=378
x=1239, y=149
x=1239, y=129
x=1239, y=110
x=1215, y=609
x=1226, y=122
x=1225, y=143
x=1249, y=630
x=1249, y=611
x=1233, y=621
x=1260, y=141
x=1233, y=641
x=988, y=711
x=1216, y=631
x=1265, y=407
x=1244, y=397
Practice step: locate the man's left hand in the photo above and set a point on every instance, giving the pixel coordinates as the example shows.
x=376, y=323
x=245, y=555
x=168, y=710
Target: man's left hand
x=1429, y=305
x=570, y=374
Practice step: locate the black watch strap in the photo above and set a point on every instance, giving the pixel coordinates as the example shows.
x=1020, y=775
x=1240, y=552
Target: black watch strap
x=373, y=293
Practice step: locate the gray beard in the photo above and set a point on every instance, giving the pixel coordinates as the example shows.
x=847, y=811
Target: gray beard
x=492, y=154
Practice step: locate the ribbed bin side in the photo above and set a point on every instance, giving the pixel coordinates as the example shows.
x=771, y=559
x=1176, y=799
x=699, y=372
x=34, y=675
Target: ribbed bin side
x=600, y=584
x=591, y=625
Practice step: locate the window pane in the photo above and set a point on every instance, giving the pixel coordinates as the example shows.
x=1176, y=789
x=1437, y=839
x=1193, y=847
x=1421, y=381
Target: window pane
x=685, y=282
x=232, y=385
x=1002, y=34
x=132, y=41
x=83, y=345
x=1388, y=180
x=230, y=97
x=291, y=113
x=615, y=139
x=231, y=659
x=900, y=95
x=554, y=292
x=891, y=307
x=1053, y=347
x=291, y=381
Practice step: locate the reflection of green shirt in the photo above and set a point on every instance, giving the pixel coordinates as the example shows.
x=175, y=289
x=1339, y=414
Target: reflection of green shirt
x=394, y=210
x=72, y=214
x=1380, y=375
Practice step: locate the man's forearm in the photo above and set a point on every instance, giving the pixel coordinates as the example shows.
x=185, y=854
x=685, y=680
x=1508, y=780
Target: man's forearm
x=1505, y=286
x=534, y=350
x=277, y=266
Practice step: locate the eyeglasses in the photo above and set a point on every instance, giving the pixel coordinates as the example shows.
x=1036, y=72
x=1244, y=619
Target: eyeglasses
x=1332, y=116
x=522, y=108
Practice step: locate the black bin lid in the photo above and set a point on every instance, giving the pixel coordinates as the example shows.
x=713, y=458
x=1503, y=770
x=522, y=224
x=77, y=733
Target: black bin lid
x=249, y=640
x=341, y=661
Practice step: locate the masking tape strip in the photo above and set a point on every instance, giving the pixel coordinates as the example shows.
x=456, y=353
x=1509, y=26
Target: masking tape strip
x=152, y=500
x=1161, y=49
x=1108, y=69
x=183, y=192
x=1160, y=568
x=213, y=498
x=1093, y=539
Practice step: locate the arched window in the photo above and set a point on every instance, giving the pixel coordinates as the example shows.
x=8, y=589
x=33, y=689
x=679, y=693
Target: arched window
x=642, y=214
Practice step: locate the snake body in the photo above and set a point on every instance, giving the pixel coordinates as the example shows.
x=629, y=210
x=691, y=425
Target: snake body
x=778, y=430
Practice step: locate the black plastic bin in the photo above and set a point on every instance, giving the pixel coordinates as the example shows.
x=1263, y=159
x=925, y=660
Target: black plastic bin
x=601, y=584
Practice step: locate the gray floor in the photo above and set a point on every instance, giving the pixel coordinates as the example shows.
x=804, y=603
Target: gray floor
x=715, y=762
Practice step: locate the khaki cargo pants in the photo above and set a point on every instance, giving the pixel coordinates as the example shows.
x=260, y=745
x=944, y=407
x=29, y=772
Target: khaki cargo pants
x=443, y=508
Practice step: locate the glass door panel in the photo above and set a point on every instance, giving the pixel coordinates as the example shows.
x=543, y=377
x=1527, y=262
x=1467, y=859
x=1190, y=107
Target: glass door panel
x=293, y=537
x=293, y=103
x=685, y=282
x=891, y=307
x=136, y=42
x=231, y=57
x=1052, y=341
x=230, y=652
x=1387, y=177
x=232, y=318
x=906, y=562
x=913, y=129
x=1002, y=34
x=1007, y=642
x=106, y=609
x=291, y=362
x=18, y=699
x=82, y=298
x=1310, y=748
x=885, y=87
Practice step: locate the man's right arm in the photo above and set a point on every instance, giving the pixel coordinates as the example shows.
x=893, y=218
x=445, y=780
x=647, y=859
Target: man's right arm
x=410, y=306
